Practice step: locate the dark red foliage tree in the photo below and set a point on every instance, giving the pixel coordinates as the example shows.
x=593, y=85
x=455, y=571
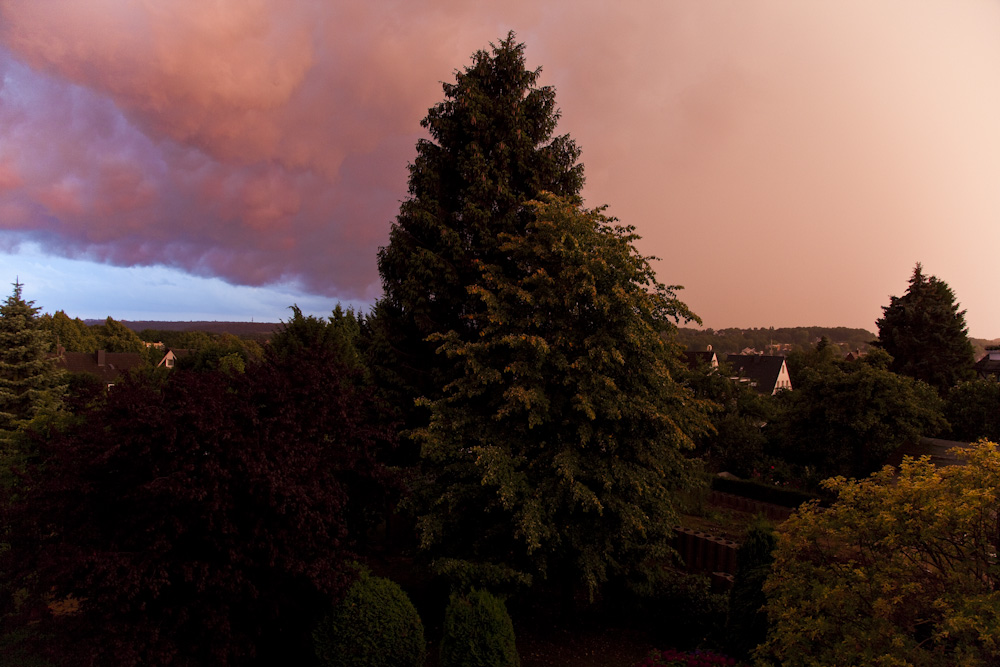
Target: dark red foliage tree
x=204, y=519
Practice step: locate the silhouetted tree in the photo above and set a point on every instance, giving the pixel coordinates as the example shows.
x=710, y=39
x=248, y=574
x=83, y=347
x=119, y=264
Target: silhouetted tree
x=926, y=335
x=491, y=149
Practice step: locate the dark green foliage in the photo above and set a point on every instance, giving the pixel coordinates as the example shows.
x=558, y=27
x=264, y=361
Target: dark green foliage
x=338, y=333
x=463, y=575
x=223, y=352
x=72, y=335
x=478, y=632
x=375, y=625
x=677, y=609
x=973, y=410
x=113, y=336
x=823, y=355
x=560, y=450
x=491, y=149
x=737, y=443
x=747, y=622
x=29, y=380
x=846, y=418
x=926, y=335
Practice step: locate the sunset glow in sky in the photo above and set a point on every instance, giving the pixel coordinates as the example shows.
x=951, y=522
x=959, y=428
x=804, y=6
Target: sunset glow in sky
x=789, y=161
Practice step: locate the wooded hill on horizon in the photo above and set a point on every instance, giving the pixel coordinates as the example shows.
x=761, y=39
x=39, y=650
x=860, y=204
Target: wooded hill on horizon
x=770, y=340
x=732, y=340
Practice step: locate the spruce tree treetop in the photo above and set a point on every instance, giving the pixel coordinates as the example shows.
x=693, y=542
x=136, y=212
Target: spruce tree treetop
x=491, y=149
x=925, y=333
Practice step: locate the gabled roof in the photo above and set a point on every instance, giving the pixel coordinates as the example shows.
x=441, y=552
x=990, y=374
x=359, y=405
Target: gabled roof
x=763, y=370
x=108, y=366
x=174, y=353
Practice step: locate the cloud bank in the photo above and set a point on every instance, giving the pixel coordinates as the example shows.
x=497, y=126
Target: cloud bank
x=789, y=161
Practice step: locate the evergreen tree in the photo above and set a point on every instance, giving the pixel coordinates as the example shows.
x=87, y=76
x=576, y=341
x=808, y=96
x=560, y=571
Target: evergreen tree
x=29, y=378
x=559, y=450
x=491, y=149
x=926, y=335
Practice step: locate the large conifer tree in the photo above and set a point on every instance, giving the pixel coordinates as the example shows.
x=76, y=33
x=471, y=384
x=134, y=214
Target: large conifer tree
x=925, y=333
x=491, y=149
x=29, y=378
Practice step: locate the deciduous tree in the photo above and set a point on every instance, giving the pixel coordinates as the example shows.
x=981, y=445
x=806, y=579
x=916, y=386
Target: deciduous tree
x=925, y=333
x=846, y=418
x=901, y=570
x=559, y=449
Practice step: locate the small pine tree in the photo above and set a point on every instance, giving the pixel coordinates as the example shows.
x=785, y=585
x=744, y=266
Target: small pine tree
x=30, y=381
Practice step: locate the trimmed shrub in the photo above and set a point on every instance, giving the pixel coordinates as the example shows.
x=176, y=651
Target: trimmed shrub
x=375, y=626
x=478, y=632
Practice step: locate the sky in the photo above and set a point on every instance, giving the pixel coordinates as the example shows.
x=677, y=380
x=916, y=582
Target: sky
x=789, y=162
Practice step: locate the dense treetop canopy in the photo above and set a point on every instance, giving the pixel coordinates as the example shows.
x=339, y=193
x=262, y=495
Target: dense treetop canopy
x=901, y=570
x=925, y=333
x=559, y=447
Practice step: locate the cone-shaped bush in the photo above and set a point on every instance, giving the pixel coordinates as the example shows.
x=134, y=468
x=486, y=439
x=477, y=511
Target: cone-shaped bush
x=375, y=626
x=478, y=632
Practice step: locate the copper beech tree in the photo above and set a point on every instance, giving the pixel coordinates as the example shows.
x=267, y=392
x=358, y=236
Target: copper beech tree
x=202, y=519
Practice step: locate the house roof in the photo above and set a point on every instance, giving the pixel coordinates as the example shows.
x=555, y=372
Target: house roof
x=108, y=366
x=174, y=353
x=989, y=364
x=763, y=370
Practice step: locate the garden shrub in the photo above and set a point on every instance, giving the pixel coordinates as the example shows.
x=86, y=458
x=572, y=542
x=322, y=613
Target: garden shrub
x=478, y=632
x=376, y=625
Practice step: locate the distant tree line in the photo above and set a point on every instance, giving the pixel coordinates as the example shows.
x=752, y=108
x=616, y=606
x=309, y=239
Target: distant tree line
x=774, y=340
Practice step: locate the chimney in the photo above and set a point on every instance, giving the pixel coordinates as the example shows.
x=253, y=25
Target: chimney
x=100, y=358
